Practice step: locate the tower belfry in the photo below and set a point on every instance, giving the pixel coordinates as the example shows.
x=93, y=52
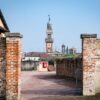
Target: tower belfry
x=48, y=39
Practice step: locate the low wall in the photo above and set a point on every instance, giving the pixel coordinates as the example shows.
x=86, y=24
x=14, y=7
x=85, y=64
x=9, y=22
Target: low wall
x=29, y=65
x=69, y=67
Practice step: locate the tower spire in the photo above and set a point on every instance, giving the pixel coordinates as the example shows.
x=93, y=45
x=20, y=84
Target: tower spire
x=49, y=18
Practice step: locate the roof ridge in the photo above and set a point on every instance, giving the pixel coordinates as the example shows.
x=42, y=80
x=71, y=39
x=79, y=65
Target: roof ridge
x=4, y=21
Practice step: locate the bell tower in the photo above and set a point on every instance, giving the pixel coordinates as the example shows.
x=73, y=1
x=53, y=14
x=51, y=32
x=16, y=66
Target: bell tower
x=48, y=39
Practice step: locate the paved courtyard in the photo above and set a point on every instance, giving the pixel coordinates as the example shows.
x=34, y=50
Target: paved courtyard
x=36, y=84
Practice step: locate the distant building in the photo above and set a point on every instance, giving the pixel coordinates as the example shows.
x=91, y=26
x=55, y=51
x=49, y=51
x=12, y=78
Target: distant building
x=41, y=55
x=67, y=50
x=72, y=51
x=35, y=61
x=63, y=49
x=57, y=53
x=48, y=39
x=31, y=58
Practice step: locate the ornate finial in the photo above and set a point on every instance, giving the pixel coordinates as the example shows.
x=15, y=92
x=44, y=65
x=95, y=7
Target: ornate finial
x=49, y=18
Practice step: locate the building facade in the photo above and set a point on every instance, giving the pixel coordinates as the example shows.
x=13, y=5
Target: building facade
x=72, y=51
x=34, y=61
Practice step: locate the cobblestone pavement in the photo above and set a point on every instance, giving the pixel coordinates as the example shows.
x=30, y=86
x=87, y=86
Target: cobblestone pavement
x=42, y=85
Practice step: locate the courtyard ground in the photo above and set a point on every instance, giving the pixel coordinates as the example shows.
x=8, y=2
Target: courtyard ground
x=47, y=86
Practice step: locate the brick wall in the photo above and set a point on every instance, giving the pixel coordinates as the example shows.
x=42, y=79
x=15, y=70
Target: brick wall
x=71, y=67
x=2, y=67
x=97, y=66
x=10, y=64
x=29, y=65
x=91, y=64
x=13, y=60
x=88, y=64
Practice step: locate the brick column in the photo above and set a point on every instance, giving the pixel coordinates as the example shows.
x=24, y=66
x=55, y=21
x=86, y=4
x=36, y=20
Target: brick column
x=88, y=53
x=13, y=59
x=2, y=67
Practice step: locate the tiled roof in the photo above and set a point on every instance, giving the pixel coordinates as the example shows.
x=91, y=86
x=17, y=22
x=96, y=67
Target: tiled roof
x=37, y=54
x=2, y=29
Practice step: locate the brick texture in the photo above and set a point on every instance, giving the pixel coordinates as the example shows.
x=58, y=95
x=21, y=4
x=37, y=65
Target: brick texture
x=13, y=59
x=91, y=64
x=69, y=68
x=2, y=67
x=88, y=66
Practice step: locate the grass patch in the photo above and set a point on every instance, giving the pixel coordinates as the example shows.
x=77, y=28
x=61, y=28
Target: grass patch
x=71, y=56
x=97, y=94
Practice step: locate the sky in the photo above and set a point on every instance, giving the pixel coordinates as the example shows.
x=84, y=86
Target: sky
x=69, y=19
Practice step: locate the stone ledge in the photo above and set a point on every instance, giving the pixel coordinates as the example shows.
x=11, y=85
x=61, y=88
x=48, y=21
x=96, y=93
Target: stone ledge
x=7, y=34
x=88, y=36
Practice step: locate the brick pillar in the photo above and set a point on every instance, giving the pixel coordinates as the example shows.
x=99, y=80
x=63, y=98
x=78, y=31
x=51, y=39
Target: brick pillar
x=13, y=59
x=88, y=53
x=2, y=67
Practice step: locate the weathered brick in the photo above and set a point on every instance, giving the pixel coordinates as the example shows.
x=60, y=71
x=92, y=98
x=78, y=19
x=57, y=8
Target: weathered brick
x=91, y=63
x=2, y=67
x=13, y=58
x=67, y=67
